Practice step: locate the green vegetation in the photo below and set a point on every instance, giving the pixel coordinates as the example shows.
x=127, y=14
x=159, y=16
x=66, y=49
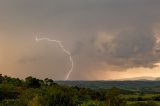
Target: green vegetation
x=36, y=92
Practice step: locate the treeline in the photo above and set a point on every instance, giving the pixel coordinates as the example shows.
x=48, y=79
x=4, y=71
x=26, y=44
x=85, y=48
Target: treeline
x=36, y=92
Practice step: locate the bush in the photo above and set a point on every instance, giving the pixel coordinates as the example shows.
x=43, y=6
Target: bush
x=92, y=103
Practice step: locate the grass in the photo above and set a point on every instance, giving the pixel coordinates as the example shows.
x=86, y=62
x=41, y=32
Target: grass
x=132, y=102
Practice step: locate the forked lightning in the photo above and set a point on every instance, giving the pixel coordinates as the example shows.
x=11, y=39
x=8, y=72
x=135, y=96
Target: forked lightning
x=64, y=50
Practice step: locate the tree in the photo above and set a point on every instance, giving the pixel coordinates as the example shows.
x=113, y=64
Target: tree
x=113, y=99
x=1, y=78
x=32, y=82
x=48, y=81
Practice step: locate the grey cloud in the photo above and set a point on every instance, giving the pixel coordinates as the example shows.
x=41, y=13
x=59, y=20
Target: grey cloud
x=128, y=49
x=78, y=48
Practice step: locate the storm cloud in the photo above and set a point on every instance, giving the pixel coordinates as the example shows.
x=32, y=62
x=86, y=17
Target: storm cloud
x=109, y=35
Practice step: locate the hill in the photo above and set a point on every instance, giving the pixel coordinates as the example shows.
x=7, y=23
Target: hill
x=130, y=85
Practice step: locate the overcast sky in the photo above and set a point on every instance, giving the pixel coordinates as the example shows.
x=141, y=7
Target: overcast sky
x=108, y=39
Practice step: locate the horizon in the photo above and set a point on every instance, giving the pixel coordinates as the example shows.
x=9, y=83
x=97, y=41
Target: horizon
x=143, y=78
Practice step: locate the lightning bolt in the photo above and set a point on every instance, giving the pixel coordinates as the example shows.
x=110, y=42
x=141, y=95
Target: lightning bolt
x=64, y=50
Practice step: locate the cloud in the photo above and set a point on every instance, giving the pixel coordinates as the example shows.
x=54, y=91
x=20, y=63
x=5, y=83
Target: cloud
x=131, y=48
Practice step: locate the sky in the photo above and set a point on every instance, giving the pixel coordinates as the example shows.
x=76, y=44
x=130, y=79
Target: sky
x=107, y=39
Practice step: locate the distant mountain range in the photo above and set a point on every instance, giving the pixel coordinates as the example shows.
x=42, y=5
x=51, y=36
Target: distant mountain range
x=144, y=78
x=145, y=84
x=137, y=85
